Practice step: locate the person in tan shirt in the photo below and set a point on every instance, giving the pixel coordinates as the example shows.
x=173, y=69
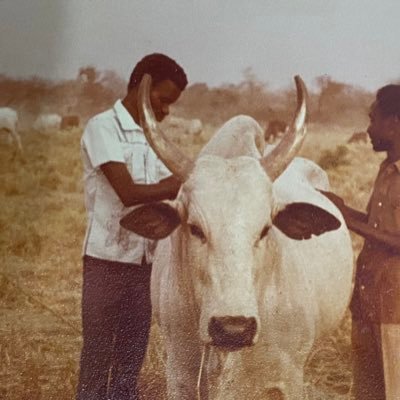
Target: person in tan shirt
x=375, y=305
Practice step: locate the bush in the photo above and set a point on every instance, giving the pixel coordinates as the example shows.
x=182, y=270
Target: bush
x=331, y=159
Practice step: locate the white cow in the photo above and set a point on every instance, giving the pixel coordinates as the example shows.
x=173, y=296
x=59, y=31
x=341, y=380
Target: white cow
x=9, y=124
x=47, y=123
x=256, y=265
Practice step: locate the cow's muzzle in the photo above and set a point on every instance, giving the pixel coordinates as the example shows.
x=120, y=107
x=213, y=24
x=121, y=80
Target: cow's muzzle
x=232, y=333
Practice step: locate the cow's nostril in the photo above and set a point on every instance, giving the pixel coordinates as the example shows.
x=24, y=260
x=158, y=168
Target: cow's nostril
x=232, y=332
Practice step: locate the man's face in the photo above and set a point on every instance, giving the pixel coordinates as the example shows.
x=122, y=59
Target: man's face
x=162, y=95
x=381, y=129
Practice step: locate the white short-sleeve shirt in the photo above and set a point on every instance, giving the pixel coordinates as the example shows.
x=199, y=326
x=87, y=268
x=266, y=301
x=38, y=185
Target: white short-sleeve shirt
x=114, y=136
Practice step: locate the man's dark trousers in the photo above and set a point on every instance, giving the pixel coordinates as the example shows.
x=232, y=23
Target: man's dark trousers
x=116, y=319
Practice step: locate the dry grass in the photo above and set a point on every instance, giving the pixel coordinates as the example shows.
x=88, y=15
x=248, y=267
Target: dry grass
x=42, y=222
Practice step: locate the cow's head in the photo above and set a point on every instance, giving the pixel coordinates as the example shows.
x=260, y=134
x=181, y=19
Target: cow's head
x=225, y=213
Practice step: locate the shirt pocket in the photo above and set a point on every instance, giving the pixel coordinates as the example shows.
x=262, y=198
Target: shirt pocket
x=135, y=160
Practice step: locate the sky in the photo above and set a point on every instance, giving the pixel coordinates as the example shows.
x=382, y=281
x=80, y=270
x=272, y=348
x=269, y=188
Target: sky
x=353, y=41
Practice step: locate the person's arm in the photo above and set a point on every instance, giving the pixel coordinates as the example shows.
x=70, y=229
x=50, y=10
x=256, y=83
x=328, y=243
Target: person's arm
x=357, y=222
x=349, y=214
x=390, y=240
x=131, y=193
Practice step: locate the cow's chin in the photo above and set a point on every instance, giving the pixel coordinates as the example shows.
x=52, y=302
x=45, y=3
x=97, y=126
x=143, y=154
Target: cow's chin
x=233, y=346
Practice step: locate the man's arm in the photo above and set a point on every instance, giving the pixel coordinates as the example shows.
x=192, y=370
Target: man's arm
x=349, y=214
x=131, y=193
x=357, y=222
x=390, y=240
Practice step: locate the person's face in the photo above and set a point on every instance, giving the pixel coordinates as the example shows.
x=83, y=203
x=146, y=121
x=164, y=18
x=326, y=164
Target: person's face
x=162, y=95
x=381, y=129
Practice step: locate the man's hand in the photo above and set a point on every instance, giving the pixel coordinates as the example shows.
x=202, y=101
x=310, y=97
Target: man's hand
x=352, y=216
x=337, y=201
x=173, y=185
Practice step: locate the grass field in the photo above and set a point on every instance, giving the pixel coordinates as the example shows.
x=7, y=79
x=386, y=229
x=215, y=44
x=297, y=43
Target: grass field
x=42, y=224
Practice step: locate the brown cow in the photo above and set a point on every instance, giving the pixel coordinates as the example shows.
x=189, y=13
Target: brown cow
x=69, y=121
x=275, y=129
x=358, y=137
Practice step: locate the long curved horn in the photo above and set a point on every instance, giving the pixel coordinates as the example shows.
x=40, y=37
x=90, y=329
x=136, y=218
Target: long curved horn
x=167, y=152
x=279, y=158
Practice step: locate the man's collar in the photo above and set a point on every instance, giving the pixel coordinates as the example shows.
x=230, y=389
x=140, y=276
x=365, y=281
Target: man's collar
x=391, y=164
x=397, y=164
x=125, y=119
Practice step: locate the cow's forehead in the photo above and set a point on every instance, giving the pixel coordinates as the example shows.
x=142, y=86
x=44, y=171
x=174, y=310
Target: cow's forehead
x=229, y=185
x=215, y=173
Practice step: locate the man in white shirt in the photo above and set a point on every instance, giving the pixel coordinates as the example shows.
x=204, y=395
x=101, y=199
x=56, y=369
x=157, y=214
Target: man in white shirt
x=120, y=171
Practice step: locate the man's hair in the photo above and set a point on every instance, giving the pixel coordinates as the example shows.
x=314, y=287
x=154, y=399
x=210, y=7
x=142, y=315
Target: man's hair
x=161, y=68
x=388, y=100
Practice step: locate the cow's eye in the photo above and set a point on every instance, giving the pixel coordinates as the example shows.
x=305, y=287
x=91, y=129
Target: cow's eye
x=264, y=232
x=196, y=231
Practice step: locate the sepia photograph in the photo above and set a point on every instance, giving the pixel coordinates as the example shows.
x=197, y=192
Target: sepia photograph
x=199, y=200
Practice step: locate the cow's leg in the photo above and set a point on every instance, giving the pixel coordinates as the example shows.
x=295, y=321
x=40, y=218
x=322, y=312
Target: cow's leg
x=255, y=375
x=9, y=138
x=288, y=366
x=294, y=388
x=290, y=358
x=17, y=139
x=390, y=336
x=183, y=363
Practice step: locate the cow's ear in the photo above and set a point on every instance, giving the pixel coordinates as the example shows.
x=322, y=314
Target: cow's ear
x=302, y=220
x=153, y=220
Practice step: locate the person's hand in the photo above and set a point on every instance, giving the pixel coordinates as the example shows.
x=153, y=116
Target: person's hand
x=174, y=186
x=336, y=200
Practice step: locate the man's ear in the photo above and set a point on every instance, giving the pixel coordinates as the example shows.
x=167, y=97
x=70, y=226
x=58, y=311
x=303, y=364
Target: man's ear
x=152, y=221
x=302, y=220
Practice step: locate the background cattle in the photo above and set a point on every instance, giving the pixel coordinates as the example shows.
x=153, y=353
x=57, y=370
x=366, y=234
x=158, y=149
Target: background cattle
x=179, y=125
x=275, y=130
x=70, y=121
x=256, y=265
x=47, y=123
x=9, y=125
x=358, y=137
